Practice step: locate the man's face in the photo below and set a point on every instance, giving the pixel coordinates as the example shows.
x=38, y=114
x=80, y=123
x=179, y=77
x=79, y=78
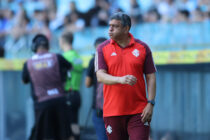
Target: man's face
x=116, y=30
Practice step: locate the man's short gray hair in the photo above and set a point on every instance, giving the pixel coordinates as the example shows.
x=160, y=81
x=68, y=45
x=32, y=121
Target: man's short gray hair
x=124, y=18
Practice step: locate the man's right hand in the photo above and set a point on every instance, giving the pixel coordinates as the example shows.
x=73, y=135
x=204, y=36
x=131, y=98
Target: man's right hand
x=104, y=77
x=128, y=79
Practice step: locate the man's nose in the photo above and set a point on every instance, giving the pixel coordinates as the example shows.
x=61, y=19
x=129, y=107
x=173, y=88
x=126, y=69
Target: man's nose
x=110, y=29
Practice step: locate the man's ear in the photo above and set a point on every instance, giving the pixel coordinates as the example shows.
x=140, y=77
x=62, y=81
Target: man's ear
x=127, y=28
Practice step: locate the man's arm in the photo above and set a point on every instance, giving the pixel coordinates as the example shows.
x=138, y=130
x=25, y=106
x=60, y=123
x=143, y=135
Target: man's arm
x=90, y=74
x=64, y=67
x=88, y=81
x=151, y=90
x=63, y=63
x=101, y=71
x=149, y=71
x=151, y=86
x=25, y=74
x=104, y=77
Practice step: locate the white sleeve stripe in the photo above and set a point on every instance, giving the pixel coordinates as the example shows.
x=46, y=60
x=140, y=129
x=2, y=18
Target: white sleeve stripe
x=153, y=62
x=96, y=61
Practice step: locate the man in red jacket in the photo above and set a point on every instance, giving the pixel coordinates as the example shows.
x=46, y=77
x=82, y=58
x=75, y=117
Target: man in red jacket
x=121, y=64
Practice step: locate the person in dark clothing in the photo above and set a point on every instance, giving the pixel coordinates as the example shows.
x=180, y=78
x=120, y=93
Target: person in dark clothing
x=2, y=52
x=46, y=73
x=72, y=85
x=91, y=80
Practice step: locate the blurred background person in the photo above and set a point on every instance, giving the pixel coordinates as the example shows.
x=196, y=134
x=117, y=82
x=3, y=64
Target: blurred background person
x=73, y=82
x=182, y=16
x=167, y=9
x=46, y=73
x=20, y=28
x=97, y=106
x=75, y=20
x=40, y=22
x=189, y=5
x=152, y=16
x=6, y=23
x=74, y=23
x=98, y=14
x=1, y=52
x=197, y=15
x=135, y=12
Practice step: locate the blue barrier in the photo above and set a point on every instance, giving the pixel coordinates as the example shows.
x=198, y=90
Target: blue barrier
x=182, y=104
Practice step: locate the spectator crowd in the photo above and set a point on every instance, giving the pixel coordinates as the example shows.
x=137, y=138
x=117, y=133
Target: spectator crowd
x=17, y=19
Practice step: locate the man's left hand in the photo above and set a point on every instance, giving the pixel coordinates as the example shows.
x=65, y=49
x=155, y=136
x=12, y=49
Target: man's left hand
x=147, y=113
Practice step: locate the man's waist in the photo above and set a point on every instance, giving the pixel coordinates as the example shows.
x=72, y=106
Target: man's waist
x=69, y=87
x=70, y=90
x=118, y=110
x=49, y=97
x=49, y=102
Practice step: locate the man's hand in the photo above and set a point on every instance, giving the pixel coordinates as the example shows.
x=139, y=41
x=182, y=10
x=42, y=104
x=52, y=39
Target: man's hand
x=104, y=77
x=128, y=79
x=147, y=113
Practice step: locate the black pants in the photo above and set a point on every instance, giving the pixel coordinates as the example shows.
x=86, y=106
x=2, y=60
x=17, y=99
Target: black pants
x=52, y=121
x=73, y=102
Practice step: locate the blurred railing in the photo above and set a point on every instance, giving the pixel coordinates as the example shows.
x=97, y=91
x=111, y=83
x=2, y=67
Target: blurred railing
x=183, y=107
x=181, y=112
